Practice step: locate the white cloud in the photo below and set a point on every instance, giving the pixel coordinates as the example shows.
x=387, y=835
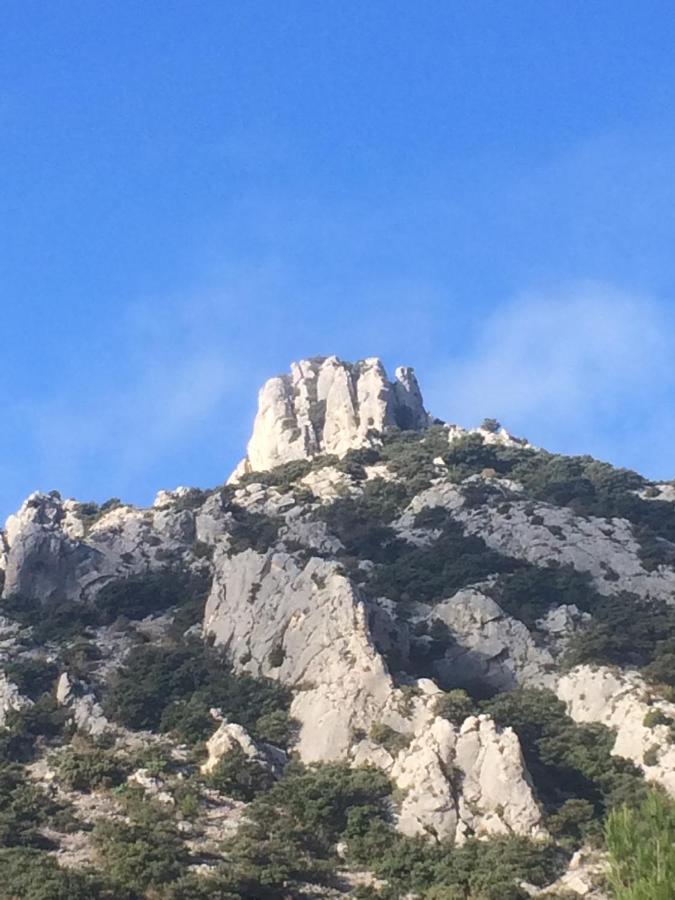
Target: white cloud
x=572, y=369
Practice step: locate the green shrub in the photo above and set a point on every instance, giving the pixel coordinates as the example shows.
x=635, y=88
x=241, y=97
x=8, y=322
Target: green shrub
x=389, y=738
x=252, y=531
x=362, y=523
x=435, y=571
x=239, y=777
x=143, y=595
x=44, y=719
x=172, y=687
x=86, y=767
x=32, y=675
x=531, y=591
x=455, y=705
x=485, y=869
x=145, y=852
x=566, y=761
x=656, y=717
x=641, y=845
x=628, y=631
x=33, y=875
x=24, y=808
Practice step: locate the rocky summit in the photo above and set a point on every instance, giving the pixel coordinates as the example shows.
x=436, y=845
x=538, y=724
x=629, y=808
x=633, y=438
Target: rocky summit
x=390, y=657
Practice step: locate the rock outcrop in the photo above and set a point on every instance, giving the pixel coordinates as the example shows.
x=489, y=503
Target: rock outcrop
x=329, y=406
x=229, y=736
x=305, y=624
x=622, y=702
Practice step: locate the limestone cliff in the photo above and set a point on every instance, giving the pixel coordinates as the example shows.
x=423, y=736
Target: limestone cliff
x=329, y=406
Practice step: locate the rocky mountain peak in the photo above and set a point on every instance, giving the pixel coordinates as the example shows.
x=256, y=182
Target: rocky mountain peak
x=326, y=405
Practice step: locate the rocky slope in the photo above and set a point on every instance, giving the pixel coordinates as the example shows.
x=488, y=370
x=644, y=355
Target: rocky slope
x=407, y=582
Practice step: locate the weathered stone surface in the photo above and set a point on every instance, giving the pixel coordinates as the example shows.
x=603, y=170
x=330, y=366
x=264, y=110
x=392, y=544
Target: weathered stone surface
x=619, y=700
x=51, y=552
x=305, y=624
x=87, y=711
x=544, y=534
x=329, y=406
x=229, y=736
x=488, y=647
x=10, y=698
x=460, y=782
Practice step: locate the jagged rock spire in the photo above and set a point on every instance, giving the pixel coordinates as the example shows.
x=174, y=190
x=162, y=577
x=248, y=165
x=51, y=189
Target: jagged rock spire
x=326, y=405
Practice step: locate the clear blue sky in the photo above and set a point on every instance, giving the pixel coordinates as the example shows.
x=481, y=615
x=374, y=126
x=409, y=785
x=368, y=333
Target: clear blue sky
x=195, y=193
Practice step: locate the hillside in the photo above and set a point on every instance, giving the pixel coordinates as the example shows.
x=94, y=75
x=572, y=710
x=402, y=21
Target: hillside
x=390, y=657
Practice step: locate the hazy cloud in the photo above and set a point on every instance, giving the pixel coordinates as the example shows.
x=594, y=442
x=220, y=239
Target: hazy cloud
x=586, y=368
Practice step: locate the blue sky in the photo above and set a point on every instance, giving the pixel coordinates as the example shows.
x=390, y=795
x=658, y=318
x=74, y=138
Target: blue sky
x=194, y=194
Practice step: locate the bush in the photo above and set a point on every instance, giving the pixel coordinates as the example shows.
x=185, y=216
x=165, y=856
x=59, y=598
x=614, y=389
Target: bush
x=172, y=687
x=44, y=719
x=566, y=761
x=252, y=531
x=486, y=869
x=361, y=523
x=656, y=717
x=145, y=852
x=455, y=705
x=627, y=631
x=530, y=592
x=641, y=845
x=389, y=738
x=290, y=831
x=24, y=808
x=143, y=595
x=32, y=675
x=33, y=875
x=436, y=571
x=85, y=767
x=239, y=777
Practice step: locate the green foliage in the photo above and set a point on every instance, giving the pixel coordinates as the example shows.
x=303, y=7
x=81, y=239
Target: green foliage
x=361, y=522
x=641, y=845
x=484, y=870
x=33, y=675
x=23, y=808
x=290, y=831
x=83, y=766
x=656, y=717
x=44, y=720
x=567, y=761
x=530, y=592
x=34, y=875
x=214, y=886
x=144, y=595
x=410, y=454
x=252, y=531
x=389, y=738
x=57, y=620
x=455, y=705
x=435, y=571
x=239, y=777
x=172, y=687
x=627, y=631
x=145, y=852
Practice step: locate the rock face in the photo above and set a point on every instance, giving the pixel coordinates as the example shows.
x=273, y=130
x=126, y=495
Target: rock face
x=489, y=794
x=619, y=701
x=230, y=736
x=329, y=406
x=10, y=698
x=305, y=624
x=488, y=647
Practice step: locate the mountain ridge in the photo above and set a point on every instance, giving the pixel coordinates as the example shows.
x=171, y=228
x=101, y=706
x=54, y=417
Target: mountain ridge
x=405, y=587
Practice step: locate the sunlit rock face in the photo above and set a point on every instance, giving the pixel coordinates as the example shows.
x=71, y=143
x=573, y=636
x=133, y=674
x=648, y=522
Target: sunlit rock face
x=329, y=406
